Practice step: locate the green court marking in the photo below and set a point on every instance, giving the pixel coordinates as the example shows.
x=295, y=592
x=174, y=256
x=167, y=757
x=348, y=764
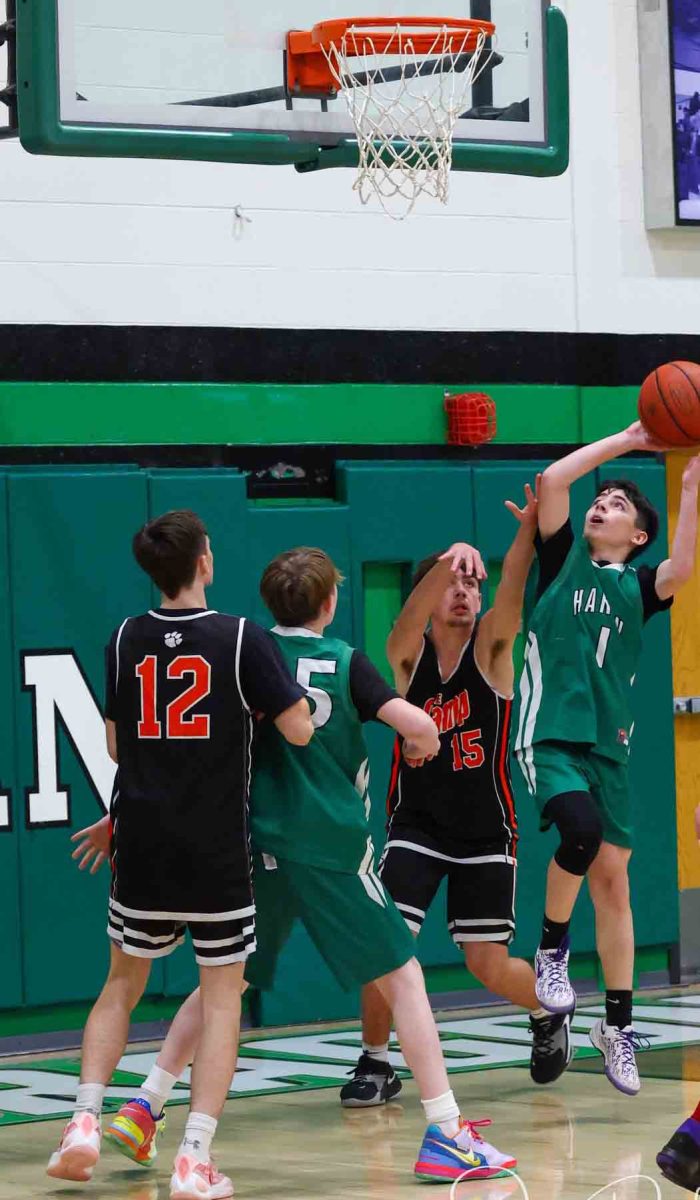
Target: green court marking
x=274, y=1064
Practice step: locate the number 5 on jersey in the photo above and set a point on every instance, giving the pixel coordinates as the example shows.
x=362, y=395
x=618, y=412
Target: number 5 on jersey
x=178, y=724
x=306, y=667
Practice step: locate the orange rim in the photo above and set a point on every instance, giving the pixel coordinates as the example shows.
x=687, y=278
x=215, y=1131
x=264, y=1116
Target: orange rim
x=308, y=72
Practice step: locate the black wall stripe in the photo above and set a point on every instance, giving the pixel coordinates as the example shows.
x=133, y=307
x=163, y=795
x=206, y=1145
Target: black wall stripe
x=48, y=353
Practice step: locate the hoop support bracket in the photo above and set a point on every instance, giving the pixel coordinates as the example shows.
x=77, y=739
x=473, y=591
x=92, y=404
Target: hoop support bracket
x=8, y=94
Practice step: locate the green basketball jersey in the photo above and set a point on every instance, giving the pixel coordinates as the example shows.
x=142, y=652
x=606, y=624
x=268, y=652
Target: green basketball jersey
x=583, y=646
x=310, y=804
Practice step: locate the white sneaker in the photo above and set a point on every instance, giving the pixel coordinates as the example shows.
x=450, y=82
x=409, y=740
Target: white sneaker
x=192, y=1180
x=552, y=984
x=617, y=1047
x=79, y=1149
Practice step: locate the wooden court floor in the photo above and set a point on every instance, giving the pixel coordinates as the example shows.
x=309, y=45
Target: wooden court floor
x=572, y=1140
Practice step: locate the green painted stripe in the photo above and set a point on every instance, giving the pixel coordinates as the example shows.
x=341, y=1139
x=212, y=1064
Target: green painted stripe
x=606, y=410
x=62, y=414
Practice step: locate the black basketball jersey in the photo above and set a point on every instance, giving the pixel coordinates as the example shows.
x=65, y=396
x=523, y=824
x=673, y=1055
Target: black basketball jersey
x=183, y=688
x=465, y=793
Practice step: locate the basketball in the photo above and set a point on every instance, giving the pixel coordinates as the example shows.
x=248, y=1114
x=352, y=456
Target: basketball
x=669, y=404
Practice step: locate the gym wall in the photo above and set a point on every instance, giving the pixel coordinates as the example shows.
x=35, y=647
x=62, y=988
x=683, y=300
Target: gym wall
x=68, y=579
x=151, y=243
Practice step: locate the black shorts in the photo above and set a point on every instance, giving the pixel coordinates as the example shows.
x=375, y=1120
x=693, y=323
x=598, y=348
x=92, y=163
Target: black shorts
x=480, y=883
x=218, y=938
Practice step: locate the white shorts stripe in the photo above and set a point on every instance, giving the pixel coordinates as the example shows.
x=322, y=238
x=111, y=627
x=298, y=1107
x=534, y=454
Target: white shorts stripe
x=482, y=858
x=407, y=908
x=374, y=889
x=234, y=915
x=232, y=941
x=458, y=938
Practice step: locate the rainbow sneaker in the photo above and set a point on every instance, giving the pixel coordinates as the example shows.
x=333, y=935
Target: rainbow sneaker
x=192, y=1180
x=466, y=1156
x=79, y=1149
x=134, y=1131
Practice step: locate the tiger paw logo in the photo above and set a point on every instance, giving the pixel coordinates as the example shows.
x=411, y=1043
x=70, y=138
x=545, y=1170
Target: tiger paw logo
x=173, y=639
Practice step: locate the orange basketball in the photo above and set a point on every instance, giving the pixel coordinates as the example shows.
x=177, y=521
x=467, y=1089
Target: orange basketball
x=669, y=404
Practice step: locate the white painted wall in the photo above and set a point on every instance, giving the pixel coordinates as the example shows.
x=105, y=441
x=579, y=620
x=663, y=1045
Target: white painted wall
x=113, y=242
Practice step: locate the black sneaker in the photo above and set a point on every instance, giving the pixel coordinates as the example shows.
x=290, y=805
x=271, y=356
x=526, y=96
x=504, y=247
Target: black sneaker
x=551, y=1047
x=372, y=1083
x=679, y=1161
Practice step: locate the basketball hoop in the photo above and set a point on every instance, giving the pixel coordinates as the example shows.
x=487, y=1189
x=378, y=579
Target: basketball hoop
x=405, y=81
x=471, y=419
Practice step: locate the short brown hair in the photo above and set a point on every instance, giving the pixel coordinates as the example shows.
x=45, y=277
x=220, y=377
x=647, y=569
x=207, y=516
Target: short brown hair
x=427, y=565
x=646, y=516
x=168, y=547
x=295, y=584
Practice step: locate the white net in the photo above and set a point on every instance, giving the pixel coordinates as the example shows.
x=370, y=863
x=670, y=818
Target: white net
x=404, y=105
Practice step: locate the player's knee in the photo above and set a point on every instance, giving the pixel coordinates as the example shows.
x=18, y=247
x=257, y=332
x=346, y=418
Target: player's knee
x=580, y=828
x=485, y=961
x=610, y=890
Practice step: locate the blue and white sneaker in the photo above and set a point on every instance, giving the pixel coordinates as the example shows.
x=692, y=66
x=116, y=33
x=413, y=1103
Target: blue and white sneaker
x=617, y=1047
x=552, y=984
x=466, y=1156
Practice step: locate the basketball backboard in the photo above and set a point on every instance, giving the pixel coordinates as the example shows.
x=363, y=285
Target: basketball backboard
x=164, y=78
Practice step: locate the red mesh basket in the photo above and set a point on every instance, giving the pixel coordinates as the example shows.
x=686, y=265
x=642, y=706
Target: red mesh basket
x=471, y=419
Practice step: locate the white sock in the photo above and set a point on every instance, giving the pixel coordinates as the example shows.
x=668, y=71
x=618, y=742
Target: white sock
x=89, y=1098
x=197, y=1138
x=381, y=1053
x=539, y=1014
x=156, y=1089
x=443, y=1111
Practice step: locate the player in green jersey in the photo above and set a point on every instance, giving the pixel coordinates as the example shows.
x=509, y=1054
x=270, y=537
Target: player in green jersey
x=314, y=859
x=572, y=744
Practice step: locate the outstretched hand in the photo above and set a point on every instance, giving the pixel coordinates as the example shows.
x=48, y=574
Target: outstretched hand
x=460, y=554
x=94, y=846
x=527, y=515
x=642, y=440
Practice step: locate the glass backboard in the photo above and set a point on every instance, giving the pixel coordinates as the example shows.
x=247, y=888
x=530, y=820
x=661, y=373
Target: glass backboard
x=166, y=78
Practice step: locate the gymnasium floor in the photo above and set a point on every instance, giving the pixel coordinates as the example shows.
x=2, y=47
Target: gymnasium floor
x=572, y=1139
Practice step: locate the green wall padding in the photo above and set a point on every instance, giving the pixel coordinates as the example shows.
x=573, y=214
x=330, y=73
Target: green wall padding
x=10, y=929
x=68, y=578
x=58, y=414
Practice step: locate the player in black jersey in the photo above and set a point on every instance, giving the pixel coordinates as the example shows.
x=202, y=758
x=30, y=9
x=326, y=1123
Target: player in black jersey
x=183, y=685
x=454, y=817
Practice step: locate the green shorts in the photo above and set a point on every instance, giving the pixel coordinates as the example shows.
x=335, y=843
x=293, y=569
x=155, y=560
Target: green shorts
x=552, y=768
x=352, y=921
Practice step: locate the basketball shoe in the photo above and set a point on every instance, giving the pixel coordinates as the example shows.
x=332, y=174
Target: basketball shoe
x=372, y=1083
x=552, y=984
x=679, y=1161
x=133, y=1131
x=192, y=1180
x=551, y=1047
x=78, y=1151
x=617, y=1047
x=466, y=1156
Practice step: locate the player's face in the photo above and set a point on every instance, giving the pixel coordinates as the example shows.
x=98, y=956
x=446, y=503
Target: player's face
x=610, y=523
x=461, y=602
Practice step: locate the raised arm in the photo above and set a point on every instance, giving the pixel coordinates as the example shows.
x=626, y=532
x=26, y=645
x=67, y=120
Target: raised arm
x=406, y=638
x=500, y=626
x=558, y=478
x=677, y=569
